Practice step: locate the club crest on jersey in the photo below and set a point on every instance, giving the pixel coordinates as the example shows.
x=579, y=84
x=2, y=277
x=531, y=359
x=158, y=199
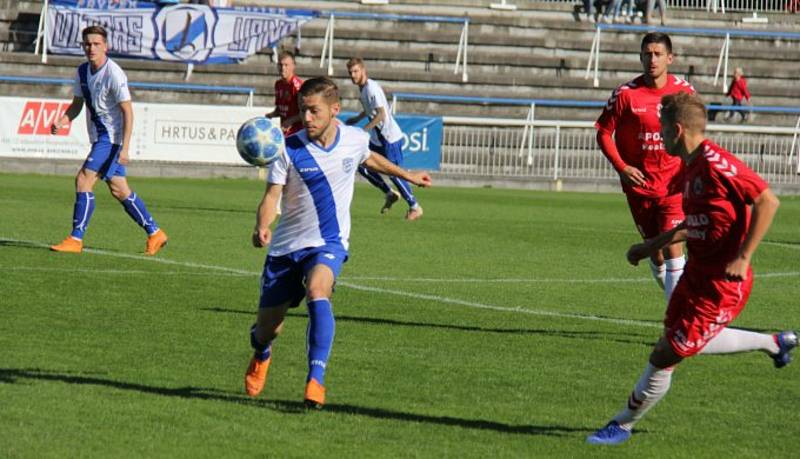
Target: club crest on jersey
x=348, y=164
x=185, y=33
x=697, y=186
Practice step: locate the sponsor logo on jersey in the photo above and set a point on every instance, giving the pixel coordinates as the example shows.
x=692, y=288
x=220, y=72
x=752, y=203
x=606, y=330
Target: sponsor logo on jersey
x=37, y=117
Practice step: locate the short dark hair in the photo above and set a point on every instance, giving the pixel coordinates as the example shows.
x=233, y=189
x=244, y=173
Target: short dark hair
x=95, y=30
x=657, y=37
x=284, y=54
x=320, y=85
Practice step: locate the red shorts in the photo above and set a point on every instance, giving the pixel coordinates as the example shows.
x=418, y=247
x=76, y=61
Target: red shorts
x=654, y=216
x=702, y=306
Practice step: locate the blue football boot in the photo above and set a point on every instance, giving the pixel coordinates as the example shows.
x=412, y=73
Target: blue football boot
x=786, y=342
x=611, y=434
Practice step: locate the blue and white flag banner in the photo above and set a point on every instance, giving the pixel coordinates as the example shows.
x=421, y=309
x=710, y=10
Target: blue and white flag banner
x=422, y=139
x=188, y=33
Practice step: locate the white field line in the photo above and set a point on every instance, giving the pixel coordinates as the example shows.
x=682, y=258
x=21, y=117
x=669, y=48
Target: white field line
x=782, y=244
x=345, y=283
x=431, y=280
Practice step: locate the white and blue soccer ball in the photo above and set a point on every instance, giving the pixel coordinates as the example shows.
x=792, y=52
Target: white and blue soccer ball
x=259, y=141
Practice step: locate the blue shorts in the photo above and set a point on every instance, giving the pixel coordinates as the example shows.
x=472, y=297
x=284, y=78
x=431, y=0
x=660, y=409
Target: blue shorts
x=104, y=159
x=392, y=151
x=283, y=279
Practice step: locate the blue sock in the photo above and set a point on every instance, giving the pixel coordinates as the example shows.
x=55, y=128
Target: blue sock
x=321, y=329
x=405, y=191
x=262, y=351
x=82, y=213
x=135, y=207
x=374, y=178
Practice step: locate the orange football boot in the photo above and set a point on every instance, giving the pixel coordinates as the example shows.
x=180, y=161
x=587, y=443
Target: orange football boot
x=68, y=245
x=315, y=395
x=414, y=214
x=155, y=242
x=256, y=376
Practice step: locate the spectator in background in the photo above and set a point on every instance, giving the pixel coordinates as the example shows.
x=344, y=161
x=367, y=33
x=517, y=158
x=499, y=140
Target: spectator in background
x=615, y=6
x=738, y=92
x=588, y=8
x=662, y=9
x=286, y=90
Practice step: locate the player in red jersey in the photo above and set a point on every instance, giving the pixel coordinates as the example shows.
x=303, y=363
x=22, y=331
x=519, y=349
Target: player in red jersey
x=628, y=132
x=721, y=232
x=286, y=89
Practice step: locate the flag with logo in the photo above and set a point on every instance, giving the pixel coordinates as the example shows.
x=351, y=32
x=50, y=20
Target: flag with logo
x=189, y=33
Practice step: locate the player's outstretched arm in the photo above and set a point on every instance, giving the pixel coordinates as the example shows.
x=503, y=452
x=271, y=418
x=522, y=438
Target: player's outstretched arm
x=265, y=215
x=378, y=163
x=72, y=112
x=377, y=119
x=355, y=119
x=647, y=248
x=764, y=208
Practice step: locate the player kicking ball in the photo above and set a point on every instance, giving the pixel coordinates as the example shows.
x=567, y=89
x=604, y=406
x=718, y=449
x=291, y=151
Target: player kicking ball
x=102, y=85
x=316, y=174
x=721, y=235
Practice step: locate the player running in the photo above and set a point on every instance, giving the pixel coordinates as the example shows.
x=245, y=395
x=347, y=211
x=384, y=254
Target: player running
x=721, y=234
x=103, y=86
x=286, y=89
x=386, y=137
x=628, y=132
x=316, y=174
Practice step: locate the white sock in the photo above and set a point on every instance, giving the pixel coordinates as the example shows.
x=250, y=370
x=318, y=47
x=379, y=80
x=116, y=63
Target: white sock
x=659, y=273
x=652, y=386
x=732, y=340
x=673, y=274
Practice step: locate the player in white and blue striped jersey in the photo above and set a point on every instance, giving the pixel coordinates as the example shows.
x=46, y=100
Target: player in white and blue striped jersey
x=102, y=85
x=314, y=180
x=386, y=137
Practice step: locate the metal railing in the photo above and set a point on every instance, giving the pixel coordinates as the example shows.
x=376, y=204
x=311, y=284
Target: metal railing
x=568, y=150
x=722, y=6
x=143, y=85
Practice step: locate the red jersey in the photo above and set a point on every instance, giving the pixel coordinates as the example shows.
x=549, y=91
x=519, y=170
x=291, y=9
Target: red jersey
x=718, y=191
x=738, y=89
x=633, y=116
x=286, y=101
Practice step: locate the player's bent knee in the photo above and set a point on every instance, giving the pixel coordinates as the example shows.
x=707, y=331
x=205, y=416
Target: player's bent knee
x=663, y=356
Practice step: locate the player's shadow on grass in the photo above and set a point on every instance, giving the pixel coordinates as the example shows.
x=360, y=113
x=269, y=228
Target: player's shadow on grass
x=648, y=339
x=22, y=244
x=13, y=375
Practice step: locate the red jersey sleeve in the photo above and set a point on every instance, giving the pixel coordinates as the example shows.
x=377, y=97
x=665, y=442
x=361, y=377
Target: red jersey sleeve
x=739, y=179
x=612, y=112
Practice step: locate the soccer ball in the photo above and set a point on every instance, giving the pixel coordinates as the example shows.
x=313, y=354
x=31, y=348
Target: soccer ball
x=259, y=142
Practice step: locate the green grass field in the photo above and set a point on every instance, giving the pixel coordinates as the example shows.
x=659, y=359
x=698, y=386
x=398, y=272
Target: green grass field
x=503, y=324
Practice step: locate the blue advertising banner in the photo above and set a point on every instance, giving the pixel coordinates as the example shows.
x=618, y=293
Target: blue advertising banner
x=188, y=33
x=422, y=139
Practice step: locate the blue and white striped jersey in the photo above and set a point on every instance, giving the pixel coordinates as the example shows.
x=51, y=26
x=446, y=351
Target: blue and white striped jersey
x=318, y=190
x=102, y=92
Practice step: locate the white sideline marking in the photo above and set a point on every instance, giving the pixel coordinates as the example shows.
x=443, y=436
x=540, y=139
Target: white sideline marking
x=437, y=298
x=782, y=244
x=499, y=281
x=471, y=304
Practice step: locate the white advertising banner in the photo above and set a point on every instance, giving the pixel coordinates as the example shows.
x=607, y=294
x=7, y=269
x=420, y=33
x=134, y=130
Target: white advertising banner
x=161, y=132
